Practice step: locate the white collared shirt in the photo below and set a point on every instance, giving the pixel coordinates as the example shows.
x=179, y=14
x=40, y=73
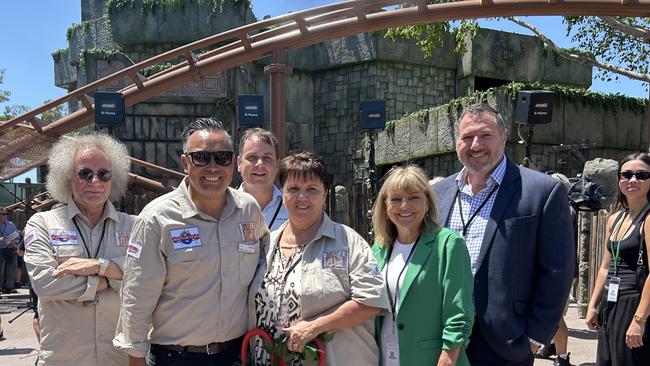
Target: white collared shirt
x=270, y=210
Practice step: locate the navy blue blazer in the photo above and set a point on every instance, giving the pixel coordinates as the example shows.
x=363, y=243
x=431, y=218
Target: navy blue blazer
x=526, y=262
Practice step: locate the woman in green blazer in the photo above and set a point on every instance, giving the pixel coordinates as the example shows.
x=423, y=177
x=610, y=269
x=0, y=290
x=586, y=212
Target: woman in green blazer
x=427, y=273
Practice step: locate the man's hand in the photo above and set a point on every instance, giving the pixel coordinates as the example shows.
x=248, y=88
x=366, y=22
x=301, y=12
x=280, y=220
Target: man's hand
x=103, y=284
x=77, y=266
x=533, y=347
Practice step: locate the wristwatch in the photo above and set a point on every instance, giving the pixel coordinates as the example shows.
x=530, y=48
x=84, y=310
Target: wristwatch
x=639, y=318
x=103, y=265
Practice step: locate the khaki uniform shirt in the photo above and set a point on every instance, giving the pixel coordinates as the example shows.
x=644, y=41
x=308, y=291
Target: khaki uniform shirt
x=77, y=322
x=187, y=273
x=337, y=266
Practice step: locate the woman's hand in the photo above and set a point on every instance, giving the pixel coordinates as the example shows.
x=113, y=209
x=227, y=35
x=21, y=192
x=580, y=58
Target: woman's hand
x=300, y=334
x=592, y=319
x=634, y=335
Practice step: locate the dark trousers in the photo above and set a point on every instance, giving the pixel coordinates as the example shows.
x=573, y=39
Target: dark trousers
x=159, y=356
x=8, y=264
x=614, y=319
x=480, y=353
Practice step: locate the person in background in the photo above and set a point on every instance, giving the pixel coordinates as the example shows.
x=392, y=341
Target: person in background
x=75, y=253
x=8, y=261
x=258, y=165
x=427, y=272
x=516, y=224
x=319, y=276
x=620, y=302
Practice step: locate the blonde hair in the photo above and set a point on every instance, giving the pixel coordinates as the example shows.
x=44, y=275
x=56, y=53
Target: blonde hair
x=61, y=163
x=409, y=179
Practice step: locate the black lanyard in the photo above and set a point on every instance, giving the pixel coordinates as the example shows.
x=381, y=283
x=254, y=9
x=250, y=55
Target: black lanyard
x=460, y=209
x=84, y=240
x=392, y=299
x=275, y=215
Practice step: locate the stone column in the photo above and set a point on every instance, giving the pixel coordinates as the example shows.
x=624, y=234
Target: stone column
x=279, y=72
x=342, y=212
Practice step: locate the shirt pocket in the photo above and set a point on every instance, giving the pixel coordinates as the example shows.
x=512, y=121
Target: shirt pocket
x=249, y=258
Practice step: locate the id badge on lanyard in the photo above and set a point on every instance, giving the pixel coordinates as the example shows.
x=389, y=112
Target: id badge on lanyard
x=392, y=354
x=612, y=290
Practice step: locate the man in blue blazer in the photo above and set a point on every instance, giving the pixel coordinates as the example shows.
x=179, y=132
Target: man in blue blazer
x=517, y=228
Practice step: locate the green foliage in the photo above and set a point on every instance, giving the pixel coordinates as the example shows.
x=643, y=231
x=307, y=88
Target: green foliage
x=53, y=114
x=4, y=94
x=432, y=36
x=310, y=352
x=564, y=93
x=599, y=40
x=154, y=69
x=56, y=55
x=82, y=27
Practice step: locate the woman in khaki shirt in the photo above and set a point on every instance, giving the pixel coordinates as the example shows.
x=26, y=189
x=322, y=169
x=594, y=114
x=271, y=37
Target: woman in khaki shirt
x=320, y=276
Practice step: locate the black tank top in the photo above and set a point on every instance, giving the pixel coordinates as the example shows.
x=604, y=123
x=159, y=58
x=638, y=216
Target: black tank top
x=629, y=255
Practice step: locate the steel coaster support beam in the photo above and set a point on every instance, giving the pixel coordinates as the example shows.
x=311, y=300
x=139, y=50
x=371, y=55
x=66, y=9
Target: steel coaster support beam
x=278, y=72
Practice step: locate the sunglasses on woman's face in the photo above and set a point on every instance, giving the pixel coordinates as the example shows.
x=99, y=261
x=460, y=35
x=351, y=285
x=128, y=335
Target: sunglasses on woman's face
x=640, y=175
x=202, y=158
x=87, y=175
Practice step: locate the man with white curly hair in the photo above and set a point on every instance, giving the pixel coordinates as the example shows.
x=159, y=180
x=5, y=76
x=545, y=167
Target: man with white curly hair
x=75, y=253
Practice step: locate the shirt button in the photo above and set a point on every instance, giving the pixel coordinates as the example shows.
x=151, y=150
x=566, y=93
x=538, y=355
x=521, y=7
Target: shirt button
x=400, y=326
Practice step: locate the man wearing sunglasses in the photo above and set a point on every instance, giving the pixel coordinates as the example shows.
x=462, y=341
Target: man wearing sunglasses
x=191, y=257
x=258, y=165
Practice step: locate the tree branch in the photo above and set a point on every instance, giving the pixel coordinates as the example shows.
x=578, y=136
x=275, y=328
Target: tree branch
x=628, y=29
x=581, y=57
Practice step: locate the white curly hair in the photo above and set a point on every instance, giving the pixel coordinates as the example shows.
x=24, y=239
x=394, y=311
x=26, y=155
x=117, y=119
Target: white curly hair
x=61, y=163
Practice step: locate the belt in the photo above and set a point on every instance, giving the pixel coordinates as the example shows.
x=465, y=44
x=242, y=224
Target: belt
x=211, y=349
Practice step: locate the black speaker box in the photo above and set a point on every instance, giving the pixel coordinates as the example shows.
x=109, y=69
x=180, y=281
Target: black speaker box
x=535, y=106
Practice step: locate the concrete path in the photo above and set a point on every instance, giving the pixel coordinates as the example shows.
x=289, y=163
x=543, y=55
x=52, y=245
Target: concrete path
x=20, y=346
x=582, y=341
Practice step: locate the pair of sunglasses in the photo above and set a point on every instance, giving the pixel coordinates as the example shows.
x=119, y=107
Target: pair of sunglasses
x=202, y=158
x=87, y=175
x=640, y=175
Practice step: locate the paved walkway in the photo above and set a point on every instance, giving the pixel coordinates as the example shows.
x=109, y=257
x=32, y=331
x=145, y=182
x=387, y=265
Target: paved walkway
x=20, y=346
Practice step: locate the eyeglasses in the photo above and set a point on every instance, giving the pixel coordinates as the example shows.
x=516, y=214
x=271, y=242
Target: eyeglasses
x=102, y=174
x=202, y=158
x=640, y=175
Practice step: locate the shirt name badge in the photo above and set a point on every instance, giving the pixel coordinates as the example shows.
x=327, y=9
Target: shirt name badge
x=248, y=231
x=122, y=238
x=187, y=237
x=335, y=259
x=63, y=237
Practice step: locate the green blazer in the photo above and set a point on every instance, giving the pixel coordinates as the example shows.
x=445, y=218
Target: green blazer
x=435, y=310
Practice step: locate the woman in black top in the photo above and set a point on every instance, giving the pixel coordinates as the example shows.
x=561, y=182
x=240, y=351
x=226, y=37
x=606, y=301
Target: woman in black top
x=620, y=305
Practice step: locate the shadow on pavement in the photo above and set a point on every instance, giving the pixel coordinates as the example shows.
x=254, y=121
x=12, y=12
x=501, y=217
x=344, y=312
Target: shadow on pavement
x=583, y=334
x=16, y=351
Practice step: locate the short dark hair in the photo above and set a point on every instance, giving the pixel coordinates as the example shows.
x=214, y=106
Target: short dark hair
x=263, y=135
x=621, y=200
x=478, y=109
x=305, y=165
x=204, y=124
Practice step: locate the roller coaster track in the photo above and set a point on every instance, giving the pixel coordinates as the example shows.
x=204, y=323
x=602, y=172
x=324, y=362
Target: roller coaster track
x=25, y=140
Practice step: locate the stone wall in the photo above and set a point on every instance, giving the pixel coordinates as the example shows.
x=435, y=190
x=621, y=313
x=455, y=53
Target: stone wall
x=577, y=133
x=337, y=96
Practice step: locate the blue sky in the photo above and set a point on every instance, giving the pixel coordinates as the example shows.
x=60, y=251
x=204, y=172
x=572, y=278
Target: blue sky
x=38, y=28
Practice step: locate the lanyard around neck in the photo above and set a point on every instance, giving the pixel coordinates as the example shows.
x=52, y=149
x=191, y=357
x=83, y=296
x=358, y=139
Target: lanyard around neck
x=101, y=238
x=275, y=214
x=392, y=299
x=471, y=219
